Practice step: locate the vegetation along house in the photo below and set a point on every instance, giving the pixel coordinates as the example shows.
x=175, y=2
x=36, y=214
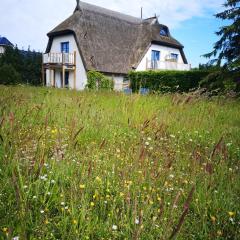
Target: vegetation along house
x=109, y=42
x=4, y=42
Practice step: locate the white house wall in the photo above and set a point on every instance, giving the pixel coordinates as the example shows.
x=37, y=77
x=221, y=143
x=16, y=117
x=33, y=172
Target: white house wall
x=81, y=75
x=2, y=49
x=118, y=81
x=164, y=52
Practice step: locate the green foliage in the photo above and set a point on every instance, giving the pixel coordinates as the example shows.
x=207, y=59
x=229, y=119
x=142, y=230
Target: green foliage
x=87, y=165
x=217, y=82
x=97, y=81
x=227, y=49
x=8, y=75
x=166, y=81
x=26, y=63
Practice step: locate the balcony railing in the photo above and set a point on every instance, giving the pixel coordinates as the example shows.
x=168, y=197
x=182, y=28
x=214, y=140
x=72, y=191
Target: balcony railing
x=167, y=65
x=59, y=58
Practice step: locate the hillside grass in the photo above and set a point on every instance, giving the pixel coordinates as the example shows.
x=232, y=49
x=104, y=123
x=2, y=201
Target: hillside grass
x=86, y=165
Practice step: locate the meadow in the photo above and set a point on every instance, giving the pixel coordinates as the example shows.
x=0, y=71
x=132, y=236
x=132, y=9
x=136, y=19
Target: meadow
x=103, y=165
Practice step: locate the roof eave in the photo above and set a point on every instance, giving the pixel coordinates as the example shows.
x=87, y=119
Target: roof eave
x=162, y=43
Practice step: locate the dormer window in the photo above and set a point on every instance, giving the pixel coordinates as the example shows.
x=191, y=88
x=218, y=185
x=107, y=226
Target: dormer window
x=164, y=32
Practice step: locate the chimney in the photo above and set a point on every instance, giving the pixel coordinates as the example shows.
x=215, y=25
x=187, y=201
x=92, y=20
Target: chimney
x=78, y=8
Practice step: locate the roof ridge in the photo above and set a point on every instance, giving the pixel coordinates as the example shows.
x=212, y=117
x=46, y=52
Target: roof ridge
x=108, y=12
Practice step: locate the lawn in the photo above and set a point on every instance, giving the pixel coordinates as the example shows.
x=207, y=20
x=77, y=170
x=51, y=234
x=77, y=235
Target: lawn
x=86, y=165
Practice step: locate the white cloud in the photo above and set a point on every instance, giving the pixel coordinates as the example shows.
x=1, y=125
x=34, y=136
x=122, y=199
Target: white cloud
x=26, y=22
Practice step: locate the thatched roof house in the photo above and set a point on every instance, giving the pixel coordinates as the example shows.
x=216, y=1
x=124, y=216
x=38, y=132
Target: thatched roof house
x=112, y=42
x=4, y=42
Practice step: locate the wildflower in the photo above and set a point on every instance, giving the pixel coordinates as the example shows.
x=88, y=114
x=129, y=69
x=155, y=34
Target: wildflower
x=53, y=181
x=34, y=197
x=172, y=136
x=114, y=227
x=16, y=238
x=54, y=131
x=213, y=219
x=92, y=204
x=147, y=143
x=46, y=222
x=41, y=211
x=219, y=233
x=149, y=139
x=82, y=186
x=25, y=187
x=171, y=176
x=74, y=221
x=5, y=229
x=62, y=203
x=121, y=194
x=98, y=179
x=137, y=221
x=118, y=150
x=231, y=214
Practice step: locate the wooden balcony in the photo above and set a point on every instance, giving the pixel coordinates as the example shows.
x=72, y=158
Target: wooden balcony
x=59, y=59
x=167, y=65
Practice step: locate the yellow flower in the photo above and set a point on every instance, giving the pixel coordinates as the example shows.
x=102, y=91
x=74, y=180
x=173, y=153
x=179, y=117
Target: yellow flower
x=5, y=229
x=92, y=204
x=46, y=222
x=54, y=131
x=121, y=194
x=82, y=186
x=151, y=202
x=98, y=179
x=213, y=219
x=231, y=214
x=74, y=221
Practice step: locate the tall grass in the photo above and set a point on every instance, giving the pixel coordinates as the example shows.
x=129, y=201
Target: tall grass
x=85, y=165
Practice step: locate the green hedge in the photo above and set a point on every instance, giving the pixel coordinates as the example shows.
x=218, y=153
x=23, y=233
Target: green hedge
x=97, y=81
x=166, y=81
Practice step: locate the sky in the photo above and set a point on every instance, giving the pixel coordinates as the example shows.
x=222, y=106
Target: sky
x=26, y=22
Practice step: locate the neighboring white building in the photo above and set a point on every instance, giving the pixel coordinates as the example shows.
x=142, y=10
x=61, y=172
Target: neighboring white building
x=4, y=42
x=109, y=42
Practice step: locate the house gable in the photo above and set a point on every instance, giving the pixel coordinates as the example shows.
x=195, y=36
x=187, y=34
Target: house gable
x=111, y=42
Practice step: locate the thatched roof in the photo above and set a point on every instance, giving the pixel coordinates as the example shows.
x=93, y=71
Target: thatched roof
x=109, y=41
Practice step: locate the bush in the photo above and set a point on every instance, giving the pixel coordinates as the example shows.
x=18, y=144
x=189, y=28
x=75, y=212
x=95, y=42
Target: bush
x=219, y=82
x=8, y=75
x=97, y=80
x=166, y=81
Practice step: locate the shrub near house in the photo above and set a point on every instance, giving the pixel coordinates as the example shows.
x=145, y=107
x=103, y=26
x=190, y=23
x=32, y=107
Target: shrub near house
x=166, y=81
x=97, y=81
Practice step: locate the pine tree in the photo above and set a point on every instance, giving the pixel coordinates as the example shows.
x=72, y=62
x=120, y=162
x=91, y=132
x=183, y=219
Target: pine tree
x=227, y=49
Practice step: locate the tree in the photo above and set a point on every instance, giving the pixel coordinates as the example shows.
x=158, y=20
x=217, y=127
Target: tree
x=8, y=75
x=26, y=63
x=227, y=50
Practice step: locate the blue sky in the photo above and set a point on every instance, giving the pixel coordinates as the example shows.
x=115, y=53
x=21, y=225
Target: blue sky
x=198, y=36
x=26, y=22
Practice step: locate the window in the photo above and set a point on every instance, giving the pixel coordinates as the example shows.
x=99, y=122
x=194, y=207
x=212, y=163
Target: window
x=164, y=32
x=155, y=55
x=174, y=56
x=65, y=47
x=155, y=59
